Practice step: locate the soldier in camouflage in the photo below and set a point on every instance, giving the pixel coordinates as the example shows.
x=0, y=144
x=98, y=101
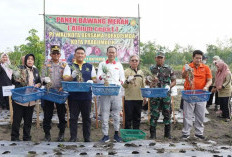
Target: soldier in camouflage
x=165, y=78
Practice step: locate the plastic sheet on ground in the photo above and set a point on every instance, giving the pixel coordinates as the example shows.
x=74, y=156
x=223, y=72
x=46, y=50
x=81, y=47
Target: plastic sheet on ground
x=133, y=148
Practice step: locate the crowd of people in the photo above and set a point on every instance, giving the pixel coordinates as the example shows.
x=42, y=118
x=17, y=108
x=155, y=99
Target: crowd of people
x=197, y=75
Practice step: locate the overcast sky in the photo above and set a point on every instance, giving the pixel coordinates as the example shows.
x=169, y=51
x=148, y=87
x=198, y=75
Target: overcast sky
x=186, y=22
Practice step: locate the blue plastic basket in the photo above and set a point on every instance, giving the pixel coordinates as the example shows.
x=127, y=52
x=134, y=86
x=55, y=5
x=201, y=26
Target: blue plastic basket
x=26, y=94
x=76, y=86
x=55, y=96
x=154, y=92
x=100, y=89
x=195, y=95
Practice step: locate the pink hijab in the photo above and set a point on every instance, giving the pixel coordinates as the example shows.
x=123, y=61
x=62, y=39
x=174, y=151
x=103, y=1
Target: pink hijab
x=5, y=66
x=221, y=73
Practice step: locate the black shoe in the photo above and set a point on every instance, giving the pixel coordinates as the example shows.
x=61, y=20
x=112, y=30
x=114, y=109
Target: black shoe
x=185, y=137
x=152, y=132
x=72, y=139
x=60, y=137
x=200, y=137
x=87, y=140
x=47, y=138
x=167, y=131
x=27, y=138
x=15, y=139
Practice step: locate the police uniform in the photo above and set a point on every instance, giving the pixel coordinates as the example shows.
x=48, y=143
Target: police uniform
x=55, y=71
x=165, y=75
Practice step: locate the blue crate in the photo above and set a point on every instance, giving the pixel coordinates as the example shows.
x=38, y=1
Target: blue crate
x=154, y=92
x=100, y=89
x=195, y=95
x=76, y=86
x=55, y=96
x=26, y=94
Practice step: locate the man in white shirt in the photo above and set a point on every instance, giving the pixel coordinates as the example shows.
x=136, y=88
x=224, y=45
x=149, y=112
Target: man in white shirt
x=116, y=76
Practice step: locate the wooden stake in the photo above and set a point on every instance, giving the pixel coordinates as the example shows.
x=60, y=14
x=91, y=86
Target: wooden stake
x=123, y=111
x=67, y=112
x=11, y=110
x=149, y=111
x=96, y=113
x=173, y=110
x=37, y=113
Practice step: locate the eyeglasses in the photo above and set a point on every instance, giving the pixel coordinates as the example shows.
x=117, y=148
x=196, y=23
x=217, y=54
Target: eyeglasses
x=134, y=60
x=55, y=53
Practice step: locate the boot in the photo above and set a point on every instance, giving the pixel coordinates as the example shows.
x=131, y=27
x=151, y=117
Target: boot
x=167, y=130
x=60, y=137
x=47, y=137
x=152, y=132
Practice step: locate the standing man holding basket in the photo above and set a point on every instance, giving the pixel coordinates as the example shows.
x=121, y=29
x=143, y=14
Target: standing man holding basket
x=115, y=75
x=52, y=75
x=80, y=102
x=133, y=97
x=166, y=79
x=197, y=77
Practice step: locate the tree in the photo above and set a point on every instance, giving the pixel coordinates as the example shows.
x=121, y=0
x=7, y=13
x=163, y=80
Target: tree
x=34, y=45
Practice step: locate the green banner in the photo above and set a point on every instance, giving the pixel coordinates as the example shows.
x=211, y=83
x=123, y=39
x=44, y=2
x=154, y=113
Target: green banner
x=94, y=33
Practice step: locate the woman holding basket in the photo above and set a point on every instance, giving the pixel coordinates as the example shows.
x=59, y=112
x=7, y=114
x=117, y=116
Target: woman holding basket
x=29, y=76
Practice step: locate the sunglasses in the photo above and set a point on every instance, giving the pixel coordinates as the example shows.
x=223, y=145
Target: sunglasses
x=55, y=53
x=134, y=60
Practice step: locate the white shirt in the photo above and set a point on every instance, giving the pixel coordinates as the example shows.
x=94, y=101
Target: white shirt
x=116, y=72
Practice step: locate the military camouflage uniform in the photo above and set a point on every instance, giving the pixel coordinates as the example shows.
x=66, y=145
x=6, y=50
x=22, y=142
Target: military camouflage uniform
x=165, y=74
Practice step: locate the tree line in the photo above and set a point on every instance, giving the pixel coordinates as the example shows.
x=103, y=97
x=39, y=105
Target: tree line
x=176, y=57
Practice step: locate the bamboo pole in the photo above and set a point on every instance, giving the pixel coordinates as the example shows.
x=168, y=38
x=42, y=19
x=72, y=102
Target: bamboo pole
x=123, y=111
x=11, y=110
x=37, y=114
x=67, y=111
x=173, y=110
x=149, y=111
x=96, y=113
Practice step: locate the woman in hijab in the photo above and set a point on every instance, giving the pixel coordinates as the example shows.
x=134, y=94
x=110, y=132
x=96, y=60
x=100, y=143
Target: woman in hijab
x=25, y=111
x=5, y=77
x=222, y=84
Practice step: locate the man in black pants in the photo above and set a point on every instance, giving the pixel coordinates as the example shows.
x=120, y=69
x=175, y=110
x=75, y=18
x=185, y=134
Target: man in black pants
x=54, y=70
x=80, y=101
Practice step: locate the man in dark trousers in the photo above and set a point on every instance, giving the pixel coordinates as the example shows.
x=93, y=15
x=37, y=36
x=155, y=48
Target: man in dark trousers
x=81, y=101
x=52, y=74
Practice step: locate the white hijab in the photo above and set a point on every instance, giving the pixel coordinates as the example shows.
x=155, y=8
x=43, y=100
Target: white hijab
x=5, y=66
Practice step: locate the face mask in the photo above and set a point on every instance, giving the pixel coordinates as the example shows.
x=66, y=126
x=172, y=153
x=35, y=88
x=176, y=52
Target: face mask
x=204, y=61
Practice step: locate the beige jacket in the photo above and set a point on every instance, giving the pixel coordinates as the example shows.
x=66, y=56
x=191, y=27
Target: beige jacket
x=132, y=90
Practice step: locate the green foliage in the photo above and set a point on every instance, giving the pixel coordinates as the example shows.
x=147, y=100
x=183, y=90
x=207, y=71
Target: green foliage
x=179, y=56
x=34, y=45
x=176, y=58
